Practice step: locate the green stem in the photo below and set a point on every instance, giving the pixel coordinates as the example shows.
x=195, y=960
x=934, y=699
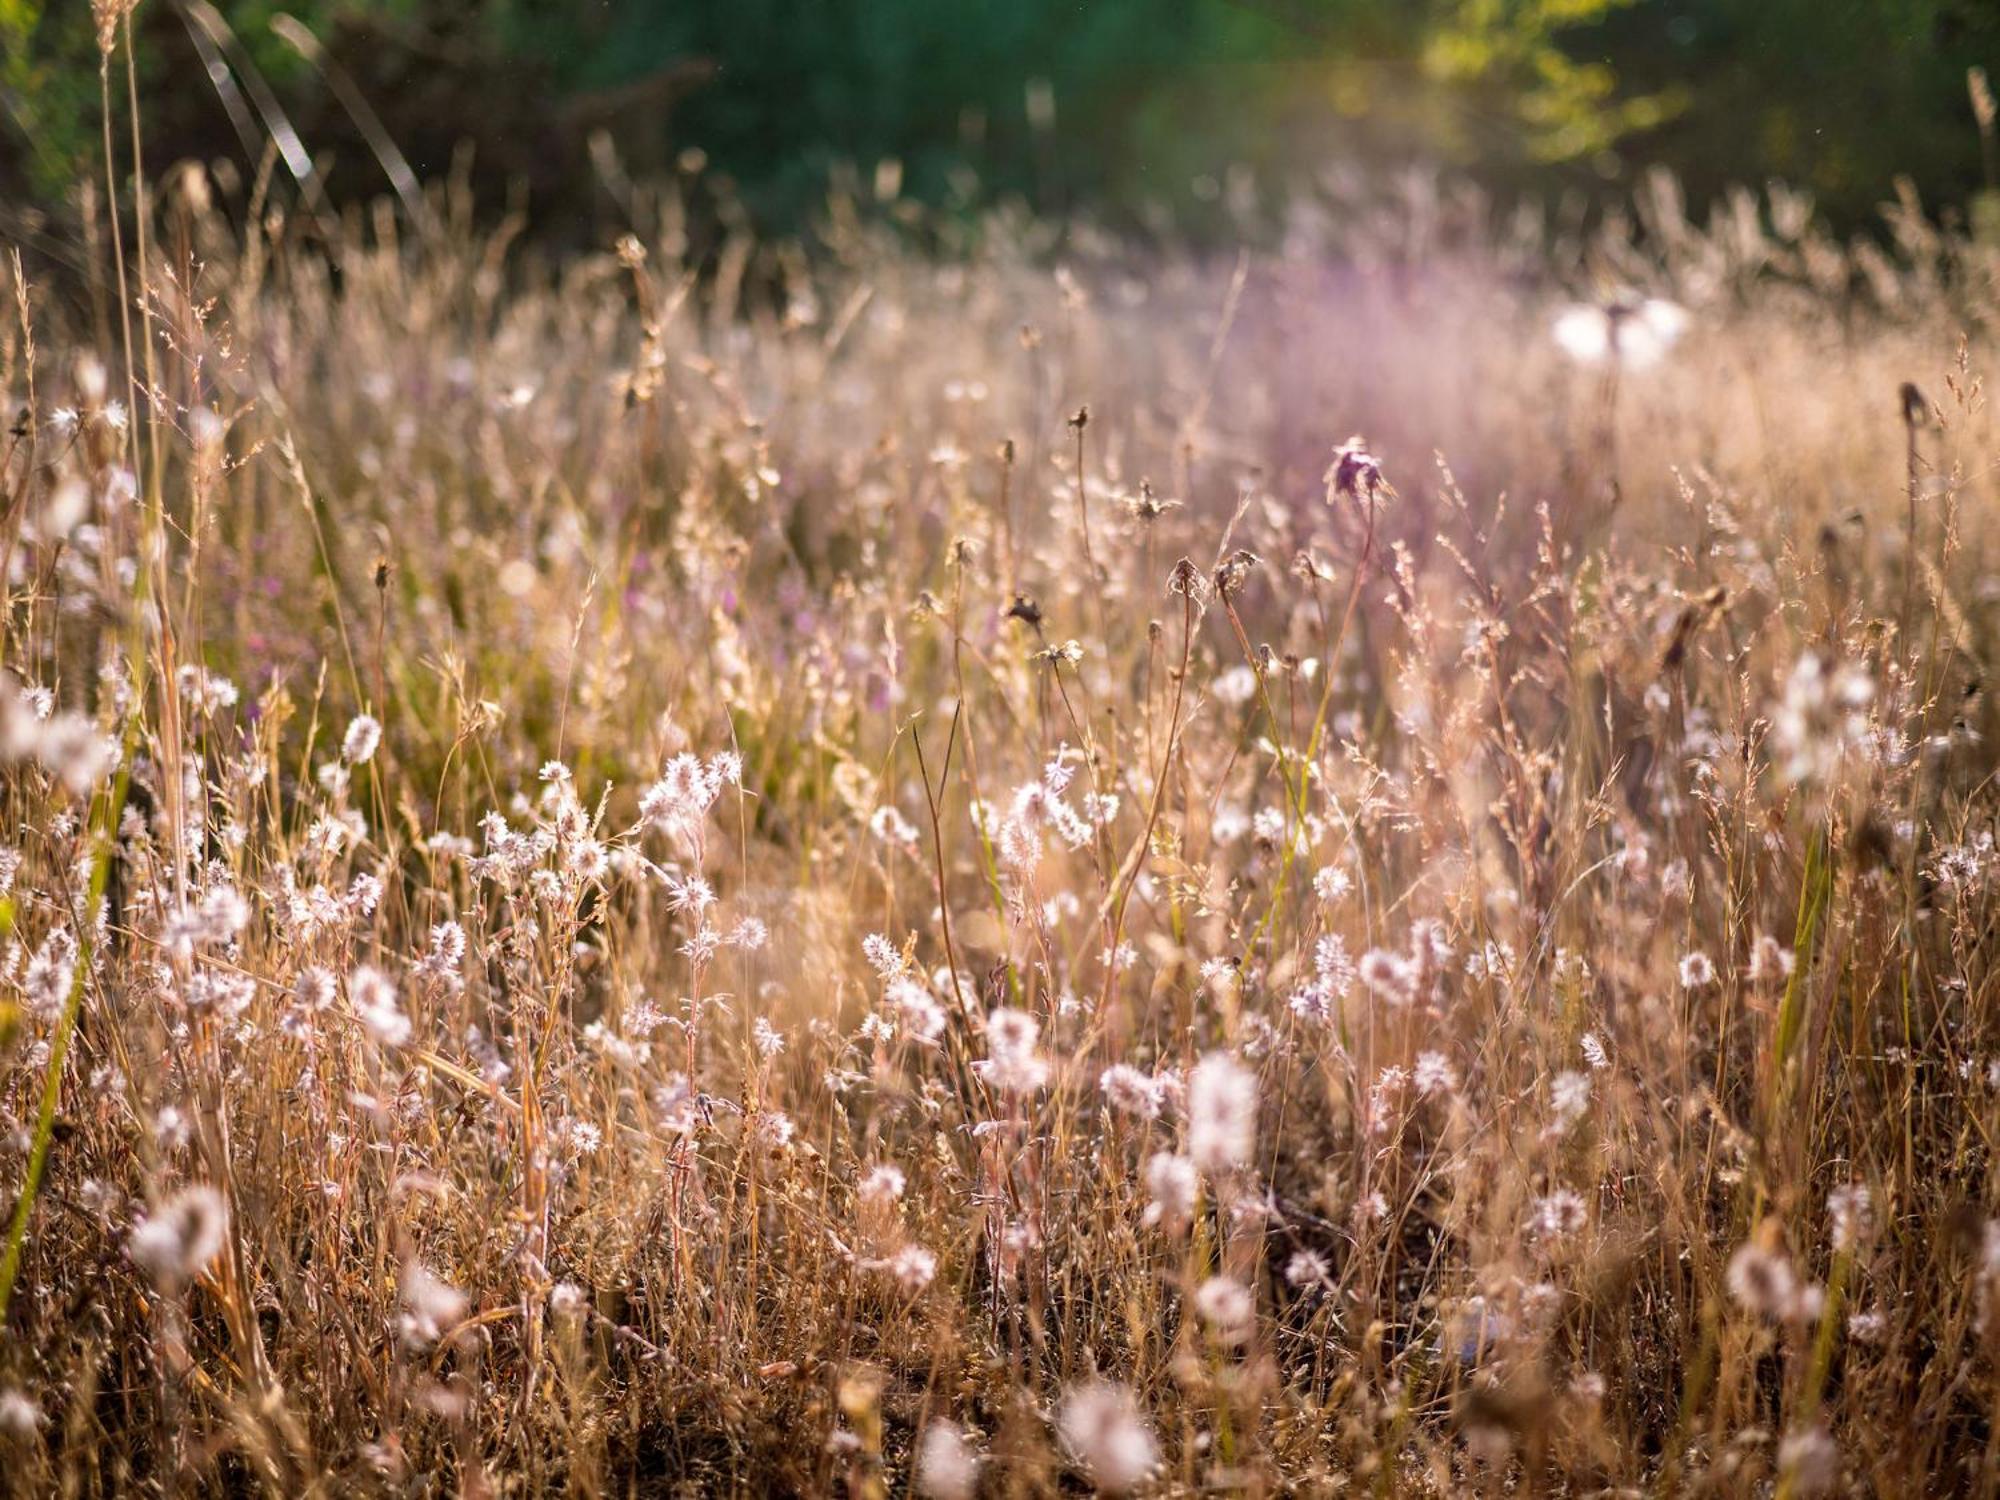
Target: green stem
x=110, y=810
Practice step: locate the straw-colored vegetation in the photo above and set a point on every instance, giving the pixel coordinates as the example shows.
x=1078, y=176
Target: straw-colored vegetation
x=844, y=872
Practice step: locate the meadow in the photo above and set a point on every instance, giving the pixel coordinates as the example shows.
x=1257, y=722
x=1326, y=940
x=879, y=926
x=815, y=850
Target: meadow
x=1028, y=866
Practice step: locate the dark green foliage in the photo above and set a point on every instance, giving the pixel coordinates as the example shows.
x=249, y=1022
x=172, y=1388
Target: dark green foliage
x=1157, y=104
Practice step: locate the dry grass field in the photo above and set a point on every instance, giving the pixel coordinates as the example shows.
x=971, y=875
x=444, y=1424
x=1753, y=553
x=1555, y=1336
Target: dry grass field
x=868, y=872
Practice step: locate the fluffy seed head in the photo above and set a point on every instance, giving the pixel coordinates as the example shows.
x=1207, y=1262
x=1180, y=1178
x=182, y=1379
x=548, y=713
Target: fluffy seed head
x=175, y=1242
x=1102, y=1428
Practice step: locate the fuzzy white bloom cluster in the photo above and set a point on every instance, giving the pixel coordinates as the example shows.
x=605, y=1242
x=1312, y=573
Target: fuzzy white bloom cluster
x=1103, y=1431
x=65, y=745
x=679, y=801
x=1222, y=1114
x=175, y=1242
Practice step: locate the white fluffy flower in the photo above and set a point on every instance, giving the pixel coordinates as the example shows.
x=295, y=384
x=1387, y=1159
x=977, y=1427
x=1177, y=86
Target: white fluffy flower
x=1103, y=1430
x=1171, y=1185
x=431, y=1307
x=1225, y=1305
x=373, y=996
x=175, y=1243
x=1222, y=1113
x=363, y=737
x=947, y=1466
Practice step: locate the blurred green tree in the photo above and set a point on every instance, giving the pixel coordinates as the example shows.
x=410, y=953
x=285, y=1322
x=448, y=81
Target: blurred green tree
x=1115, y=106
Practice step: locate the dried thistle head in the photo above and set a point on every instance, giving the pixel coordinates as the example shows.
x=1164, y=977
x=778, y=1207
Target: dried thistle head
x=1070, y=651
x=1187, y=579
x=1146, y=506
x=1355, y=473
x=1310, y=568
x=1693, y=617
x=1234, y=571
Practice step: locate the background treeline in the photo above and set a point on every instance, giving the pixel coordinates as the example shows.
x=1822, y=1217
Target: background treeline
x=1198, y=112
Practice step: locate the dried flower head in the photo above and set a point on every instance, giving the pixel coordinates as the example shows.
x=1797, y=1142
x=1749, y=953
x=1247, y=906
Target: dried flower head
x=1102, y=1429
x=1222, y=1114
x=1809, y=1462
x=1356, y=474
x=1762, y=1282
x=20, y=1418
x=358, y=745
x=1172, y=1184
x=431, y=1306
x=175, y=1242
x=1851, y=1207
x=947, y=1464
x=1013, y=1066
x=1233, y=572
x=1225, y=1305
